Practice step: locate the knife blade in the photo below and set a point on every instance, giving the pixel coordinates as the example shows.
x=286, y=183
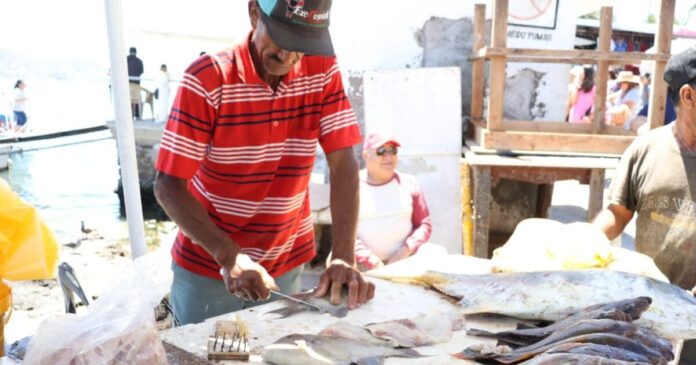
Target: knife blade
x=299, y=301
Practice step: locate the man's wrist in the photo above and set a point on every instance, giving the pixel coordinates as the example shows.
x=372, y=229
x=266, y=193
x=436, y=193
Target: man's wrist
x=226, y=254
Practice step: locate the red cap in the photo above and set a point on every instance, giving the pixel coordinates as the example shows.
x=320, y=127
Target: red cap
x=374, y=140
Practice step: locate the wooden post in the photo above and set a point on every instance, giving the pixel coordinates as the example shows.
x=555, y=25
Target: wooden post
x=498, y=64
x=602, y=70
x=477, y=76
x=482, y=208
x=663, y=45
x=467, y=218
x=596, y=202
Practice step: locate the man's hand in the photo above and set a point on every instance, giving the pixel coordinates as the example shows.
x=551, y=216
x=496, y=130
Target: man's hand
x=248, y=280
x=693, y=291
x=400, y=254
x=339, y=273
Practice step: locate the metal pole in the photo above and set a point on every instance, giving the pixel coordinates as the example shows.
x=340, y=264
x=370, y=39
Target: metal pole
x=124, y=128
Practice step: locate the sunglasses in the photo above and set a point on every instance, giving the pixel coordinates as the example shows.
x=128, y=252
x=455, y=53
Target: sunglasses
x=383, y=151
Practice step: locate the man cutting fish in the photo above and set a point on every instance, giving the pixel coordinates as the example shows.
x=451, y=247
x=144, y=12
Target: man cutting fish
x=235, y=161
x=656, y=180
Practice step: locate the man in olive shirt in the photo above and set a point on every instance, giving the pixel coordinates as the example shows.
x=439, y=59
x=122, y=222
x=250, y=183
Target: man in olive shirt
x=657, y=179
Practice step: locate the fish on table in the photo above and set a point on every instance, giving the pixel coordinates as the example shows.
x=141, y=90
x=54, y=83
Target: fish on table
x=300, y=349
x=576, y=359
x=419, y=331
x=553, y=295
x=318, y=305
x=613, y=340
x=624, y=310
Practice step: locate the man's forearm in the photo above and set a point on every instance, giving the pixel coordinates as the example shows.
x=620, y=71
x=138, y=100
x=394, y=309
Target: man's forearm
x=193, y=220
x=345, y=200
x=613, y=220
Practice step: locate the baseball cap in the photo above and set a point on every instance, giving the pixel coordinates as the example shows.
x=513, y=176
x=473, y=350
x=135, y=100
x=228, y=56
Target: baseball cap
x=681, y=69
x=298, y=25
x=375, y=140
x=132, y=50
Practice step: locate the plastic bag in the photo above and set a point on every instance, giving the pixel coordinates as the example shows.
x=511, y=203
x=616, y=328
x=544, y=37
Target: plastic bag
x=28, y=249
x=118, y=328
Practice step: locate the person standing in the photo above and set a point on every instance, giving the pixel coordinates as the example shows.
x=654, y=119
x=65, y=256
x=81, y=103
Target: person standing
x=655, y=179
x=162, y=94
x=582, y=98
x=135, y=70
x=235, y=161
x=19, y=107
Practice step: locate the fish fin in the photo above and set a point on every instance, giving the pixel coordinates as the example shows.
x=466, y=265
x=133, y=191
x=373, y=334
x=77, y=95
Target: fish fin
x=375, y=360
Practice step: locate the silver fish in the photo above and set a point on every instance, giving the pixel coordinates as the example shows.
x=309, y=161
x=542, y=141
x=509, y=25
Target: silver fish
x=299, y=349
x=552, y=295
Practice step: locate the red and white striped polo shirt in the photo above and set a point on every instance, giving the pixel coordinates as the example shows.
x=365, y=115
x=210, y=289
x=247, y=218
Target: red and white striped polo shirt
x=248, y=153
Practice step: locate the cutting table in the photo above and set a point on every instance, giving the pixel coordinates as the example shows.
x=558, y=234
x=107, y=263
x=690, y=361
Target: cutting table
x=392, y=301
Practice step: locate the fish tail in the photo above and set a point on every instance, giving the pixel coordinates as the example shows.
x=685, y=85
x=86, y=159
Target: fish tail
x=480, y=333
x=468, y=354
x=409, y=353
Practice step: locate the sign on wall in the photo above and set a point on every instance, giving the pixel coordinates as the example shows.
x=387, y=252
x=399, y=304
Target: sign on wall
x=533, y=13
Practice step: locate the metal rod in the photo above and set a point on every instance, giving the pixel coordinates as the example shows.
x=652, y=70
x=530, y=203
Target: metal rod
x=125, y=138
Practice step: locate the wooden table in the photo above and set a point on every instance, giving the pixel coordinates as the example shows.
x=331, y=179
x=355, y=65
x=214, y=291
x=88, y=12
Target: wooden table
x=392, y=301
x=487, y=167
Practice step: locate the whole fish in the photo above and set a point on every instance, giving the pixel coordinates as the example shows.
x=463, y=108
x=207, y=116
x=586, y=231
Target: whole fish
x=595, y=349
x=576, y=359
x=300, y=349
x=585, y=327
x=655, y=342
x=598, y=338
x=553, y=295
x=623, y=310
x=580, y=328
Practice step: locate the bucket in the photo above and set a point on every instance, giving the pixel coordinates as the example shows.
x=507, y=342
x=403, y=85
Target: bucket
x=5, y=310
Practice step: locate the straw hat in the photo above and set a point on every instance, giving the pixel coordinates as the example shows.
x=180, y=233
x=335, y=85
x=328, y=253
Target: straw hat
x=628, y=76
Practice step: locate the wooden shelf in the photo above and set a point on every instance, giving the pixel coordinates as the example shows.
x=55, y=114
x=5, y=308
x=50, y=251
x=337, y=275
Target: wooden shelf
x=552, y=141
x=565, y=56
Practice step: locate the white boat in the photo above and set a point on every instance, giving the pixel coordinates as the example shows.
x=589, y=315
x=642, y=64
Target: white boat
x=5, y=150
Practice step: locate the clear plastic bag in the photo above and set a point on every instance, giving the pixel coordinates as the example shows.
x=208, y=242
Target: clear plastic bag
x=118, y=328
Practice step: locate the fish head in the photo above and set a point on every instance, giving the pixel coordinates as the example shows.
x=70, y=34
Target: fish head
x=634, y=307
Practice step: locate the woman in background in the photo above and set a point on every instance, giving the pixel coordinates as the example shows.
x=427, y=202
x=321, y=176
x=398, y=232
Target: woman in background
x=582, y=97
x=20, y=106
x=623, y=105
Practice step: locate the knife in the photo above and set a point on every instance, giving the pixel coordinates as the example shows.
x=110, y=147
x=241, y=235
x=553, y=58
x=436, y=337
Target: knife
x=295, y=300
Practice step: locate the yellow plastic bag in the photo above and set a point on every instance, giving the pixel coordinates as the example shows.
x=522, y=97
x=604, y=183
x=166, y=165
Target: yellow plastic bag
x=5, y=310
x=28, y=249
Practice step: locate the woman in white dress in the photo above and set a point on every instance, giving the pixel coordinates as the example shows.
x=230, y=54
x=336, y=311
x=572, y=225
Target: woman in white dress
x=163, y=95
